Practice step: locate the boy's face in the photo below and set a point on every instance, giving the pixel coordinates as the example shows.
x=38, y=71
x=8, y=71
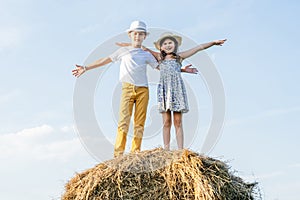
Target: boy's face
x=137, y=38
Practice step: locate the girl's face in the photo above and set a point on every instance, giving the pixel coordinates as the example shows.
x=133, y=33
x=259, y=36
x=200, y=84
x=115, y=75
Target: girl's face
x=168, y=46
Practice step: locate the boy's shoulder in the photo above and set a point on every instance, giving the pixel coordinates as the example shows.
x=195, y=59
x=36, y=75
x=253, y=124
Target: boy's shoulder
x=122, y=51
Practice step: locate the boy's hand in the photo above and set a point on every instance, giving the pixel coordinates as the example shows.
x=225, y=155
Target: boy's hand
x=78, y=71
x=188, y=69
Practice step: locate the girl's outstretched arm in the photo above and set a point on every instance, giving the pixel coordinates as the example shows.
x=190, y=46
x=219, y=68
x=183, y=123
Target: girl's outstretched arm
x=154, y=53
x=192, y=51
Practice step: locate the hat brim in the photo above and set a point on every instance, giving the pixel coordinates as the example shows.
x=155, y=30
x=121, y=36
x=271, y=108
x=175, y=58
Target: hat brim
x=137, y=30
x=176, y=37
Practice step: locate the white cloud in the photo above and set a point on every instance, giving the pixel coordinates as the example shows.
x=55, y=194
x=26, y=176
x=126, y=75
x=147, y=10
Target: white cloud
x=40, y=143
x=62, y=150
x=43, y=153
x=67, y=128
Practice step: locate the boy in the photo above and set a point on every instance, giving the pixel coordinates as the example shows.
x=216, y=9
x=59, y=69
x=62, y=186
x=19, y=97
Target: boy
x=134, y=85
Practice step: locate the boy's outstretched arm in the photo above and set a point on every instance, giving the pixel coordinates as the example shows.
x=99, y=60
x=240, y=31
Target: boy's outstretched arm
x=192, y=51
x=80, y=69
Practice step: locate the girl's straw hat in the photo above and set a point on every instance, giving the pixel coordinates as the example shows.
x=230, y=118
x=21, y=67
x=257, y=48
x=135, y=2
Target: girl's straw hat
x=165, y=35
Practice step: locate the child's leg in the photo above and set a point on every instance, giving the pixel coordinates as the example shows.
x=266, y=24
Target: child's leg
x=140, y=111
x=167, y=122
x=178, y=128
x=126, y=105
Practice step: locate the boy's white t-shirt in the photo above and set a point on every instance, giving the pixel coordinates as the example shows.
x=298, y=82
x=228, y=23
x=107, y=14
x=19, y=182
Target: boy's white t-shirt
x=133, y=67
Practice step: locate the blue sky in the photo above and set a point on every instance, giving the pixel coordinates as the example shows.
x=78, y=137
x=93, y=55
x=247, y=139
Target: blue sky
x=40, y=41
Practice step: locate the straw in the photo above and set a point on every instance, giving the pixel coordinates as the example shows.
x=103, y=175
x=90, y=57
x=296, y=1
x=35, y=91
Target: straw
x=160, y=174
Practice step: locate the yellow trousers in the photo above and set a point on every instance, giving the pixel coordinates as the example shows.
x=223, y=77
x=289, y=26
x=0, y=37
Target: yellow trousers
x=131, y=96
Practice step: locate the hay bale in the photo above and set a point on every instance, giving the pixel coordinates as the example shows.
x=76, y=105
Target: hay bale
x=160, y=174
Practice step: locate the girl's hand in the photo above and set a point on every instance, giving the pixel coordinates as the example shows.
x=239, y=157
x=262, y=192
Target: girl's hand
x=219, y=42
x=123, y=44
x=188, y=69
x=79, y=70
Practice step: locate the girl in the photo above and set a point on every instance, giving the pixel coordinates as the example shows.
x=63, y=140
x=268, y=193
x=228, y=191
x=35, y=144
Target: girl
x=171, y=92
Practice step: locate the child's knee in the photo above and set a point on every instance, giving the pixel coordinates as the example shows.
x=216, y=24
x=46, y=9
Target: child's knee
x=167, y=123
x=177, y=123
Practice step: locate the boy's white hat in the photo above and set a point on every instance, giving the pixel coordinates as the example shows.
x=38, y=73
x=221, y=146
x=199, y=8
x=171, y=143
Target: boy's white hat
x=165, y=35
x=137, y=26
